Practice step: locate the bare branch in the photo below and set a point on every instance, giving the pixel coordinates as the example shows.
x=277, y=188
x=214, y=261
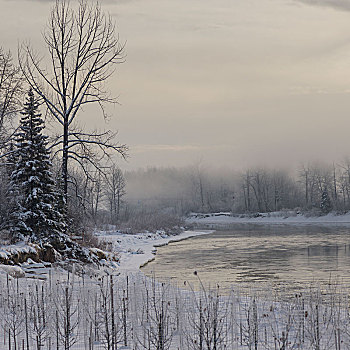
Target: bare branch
x=84, y=49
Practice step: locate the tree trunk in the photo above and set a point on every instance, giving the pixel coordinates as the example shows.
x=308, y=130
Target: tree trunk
x=65, y=160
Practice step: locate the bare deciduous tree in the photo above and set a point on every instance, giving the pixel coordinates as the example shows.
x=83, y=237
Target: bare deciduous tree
x=83, y=49
x=115, y=190
x=10, y=90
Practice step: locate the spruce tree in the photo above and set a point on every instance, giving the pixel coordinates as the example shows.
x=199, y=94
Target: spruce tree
x=325, y=205
x=36, y=214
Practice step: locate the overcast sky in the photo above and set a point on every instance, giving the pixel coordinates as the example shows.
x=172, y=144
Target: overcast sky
x=227, y=82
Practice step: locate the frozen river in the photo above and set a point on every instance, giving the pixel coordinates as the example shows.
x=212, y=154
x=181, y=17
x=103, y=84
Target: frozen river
x=284, y=257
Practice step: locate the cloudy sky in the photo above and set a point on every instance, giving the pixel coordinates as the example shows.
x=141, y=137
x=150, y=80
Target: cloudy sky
x=225, y=82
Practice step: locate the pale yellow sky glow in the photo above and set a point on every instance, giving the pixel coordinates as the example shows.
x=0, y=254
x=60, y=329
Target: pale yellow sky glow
x=230, y=82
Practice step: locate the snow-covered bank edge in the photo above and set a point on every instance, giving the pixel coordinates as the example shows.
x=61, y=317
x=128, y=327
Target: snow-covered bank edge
x=277, y=218
x=136, y=251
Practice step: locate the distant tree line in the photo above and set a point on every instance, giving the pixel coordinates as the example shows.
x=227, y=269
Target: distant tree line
x=312, y=187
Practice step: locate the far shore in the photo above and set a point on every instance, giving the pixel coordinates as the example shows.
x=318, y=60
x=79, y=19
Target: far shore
x=278, y=218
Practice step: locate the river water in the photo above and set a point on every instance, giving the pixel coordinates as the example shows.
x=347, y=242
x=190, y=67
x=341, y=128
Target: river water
x=281, y=257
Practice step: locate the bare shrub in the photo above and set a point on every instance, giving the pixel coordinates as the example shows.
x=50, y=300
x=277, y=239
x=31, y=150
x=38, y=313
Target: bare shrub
x=5, y=237
x=153, y=221
x=90, y=240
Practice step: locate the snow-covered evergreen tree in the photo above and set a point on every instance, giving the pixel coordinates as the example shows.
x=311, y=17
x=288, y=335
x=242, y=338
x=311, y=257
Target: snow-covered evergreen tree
x=36, y=214
x=326, y=205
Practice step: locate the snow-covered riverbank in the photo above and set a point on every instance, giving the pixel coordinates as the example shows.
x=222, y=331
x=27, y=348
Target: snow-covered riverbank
x=269, y=218
x=137, y=250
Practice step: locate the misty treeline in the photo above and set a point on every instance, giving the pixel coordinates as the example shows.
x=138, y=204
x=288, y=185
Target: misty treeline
x=57, y=86
x=135, y=312
x=313, y=188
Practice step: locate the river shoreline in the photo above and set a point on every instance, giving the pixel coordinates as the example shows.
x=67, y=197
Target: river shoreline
x=274, y=218
x=136, y=251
